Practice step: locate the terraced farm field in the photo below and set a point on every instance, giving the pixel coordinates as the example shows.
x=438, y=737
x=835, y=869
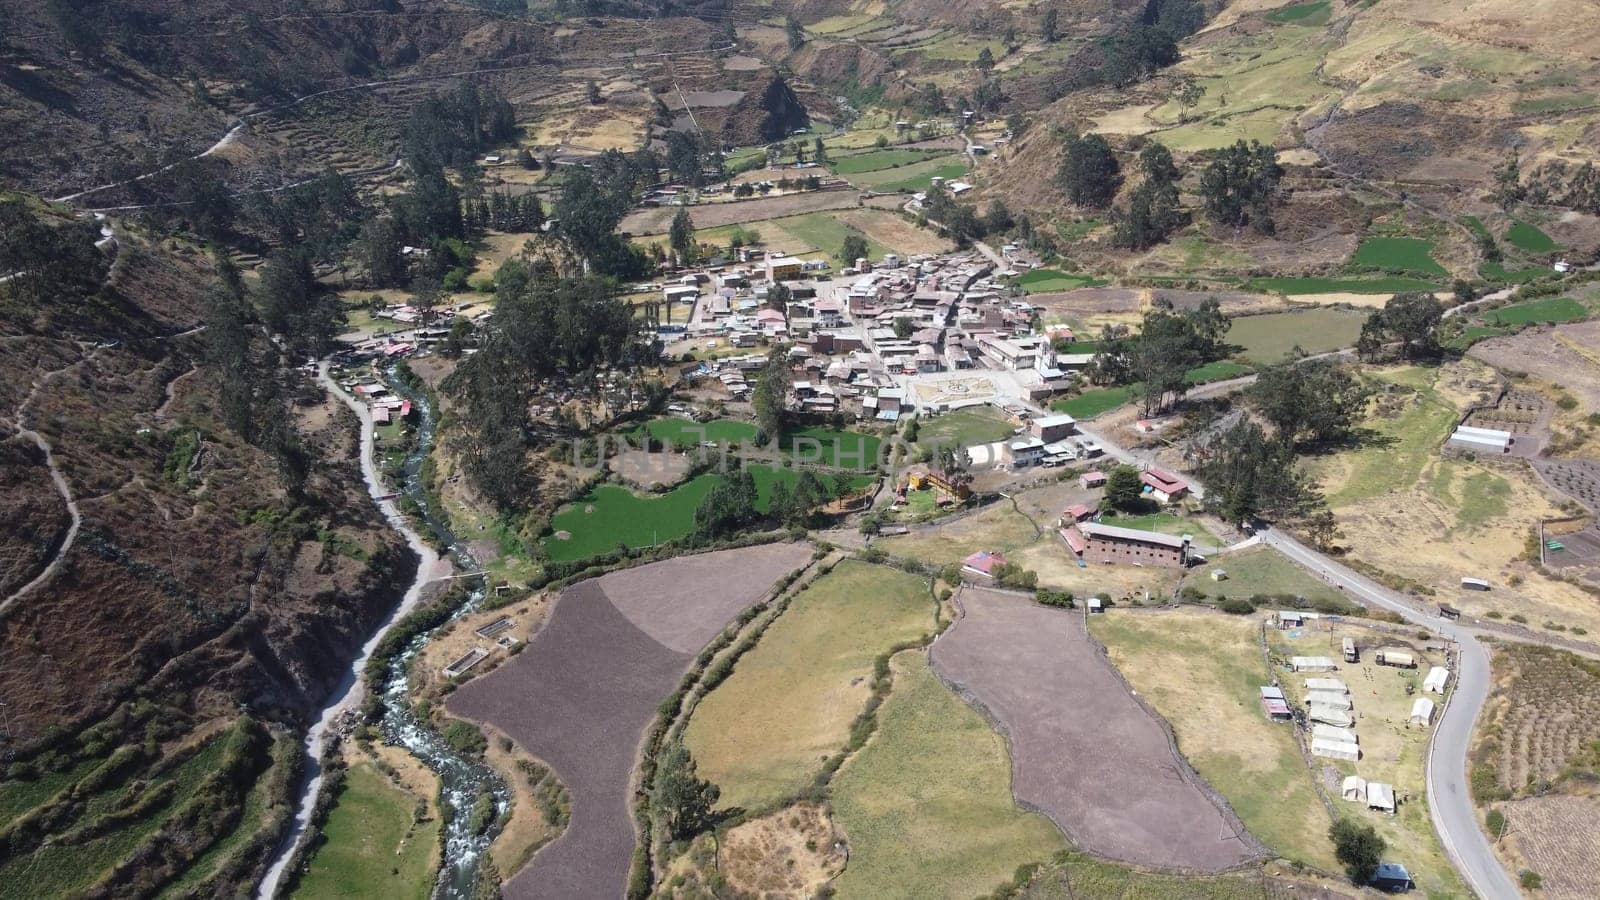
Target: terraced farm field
x=1401, y=254
x=1269, y=338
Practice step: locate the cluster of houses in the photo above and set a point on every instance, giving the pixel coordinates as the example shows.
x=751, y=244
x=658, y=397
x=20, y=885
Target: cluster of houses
x=386, y=407
x=1090, y=540
x=875, y=327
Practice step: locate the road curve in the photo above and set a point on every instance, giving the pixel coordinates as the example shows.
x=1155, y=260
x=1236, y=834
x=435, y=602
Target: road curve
x=1449, y=796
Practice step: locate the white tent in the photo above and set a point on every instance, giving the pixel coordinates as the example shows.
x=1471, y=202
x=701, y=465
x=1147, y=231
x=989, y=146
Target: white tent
x=1438, y=677
x=1380, y=796
x=1327, y=684
x=1328, y=698
x=1355, y=788
x=1334, y=733
x=1422, y=711
x=1335, y=749
x=1327, y=715
x=1312, y=664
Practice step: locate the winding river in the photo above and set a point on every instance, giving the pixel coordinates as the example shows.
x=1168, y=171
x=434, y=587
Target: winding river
x=462, y=780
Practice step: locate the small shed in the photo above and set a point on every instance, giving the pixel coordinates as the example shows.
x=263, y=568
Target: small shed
x=1327, y=684
x=1474, y=584
x=1290, y=619
x=1339, y=718
x=1312, y=664
x=1354, y=788
x=1380, y=796
x=1219, y=574
x=1422, y=712
x=1090, y=480
x=1276, y=709
x=1446, y=611
x=1330, y=699
x=1335, y=733
x=1438, y=677
x=1271, y=692
x=1335, y=749
x=1096, y=605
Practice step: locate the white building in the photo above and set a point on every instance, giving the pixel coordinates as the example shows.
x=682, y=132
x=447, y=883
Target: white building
x=1422, y=712
x=1438, y=677
x=1335, y=749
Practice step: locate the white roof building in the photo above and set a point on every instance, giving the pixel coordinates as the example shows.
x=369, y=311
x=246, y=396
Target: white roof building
x=1335, y=749
x=1354, y=789
x=1422, y=712
x=1438, y=677
x=1380, y=796
x=1328, y=715
x=1330, y=699
x=1327, y=684
x=1335, y=733
x=1312, y=664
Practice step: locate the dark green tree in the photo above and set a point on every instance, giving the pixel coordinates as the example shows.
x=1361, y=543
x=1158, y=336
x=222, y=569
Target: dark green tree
x=1090, y=174
x=854, y=248
x=1318, y=401
x=1050, y=26
x=680, y=796
x=1359, y=847
x=771, y=395
x=1410, y=319
x=1124, y=490
x=1249, y=475
x=681, y=237
x=1240, y=184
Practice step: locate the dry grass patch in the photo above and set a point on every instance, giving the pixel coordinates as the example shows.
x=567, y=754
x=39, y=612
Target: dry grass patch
x=764, y=733
x=997, y=527
x=926, y=806
x=1201, y=671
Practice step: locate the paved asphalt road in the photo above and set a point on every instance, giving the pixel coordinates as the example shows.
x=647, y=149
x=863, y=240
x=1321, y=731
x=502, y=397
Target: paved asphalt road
x=1449, y=797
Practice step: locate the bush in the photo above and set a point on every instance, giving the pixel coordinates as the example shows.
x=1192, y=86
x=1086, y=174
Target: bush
x=1519, y=618
x=1496, y=823
x=1530, y=880
x=1358, y=847
x=1238, y=606
x=1047, y=597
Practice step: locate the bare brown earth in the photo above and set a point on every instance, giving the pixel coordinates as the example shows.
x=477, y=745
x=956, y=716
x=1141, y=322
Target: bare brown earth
x=1084, y=751
x=712, y=215
x=583, y=693
x=1557, y=836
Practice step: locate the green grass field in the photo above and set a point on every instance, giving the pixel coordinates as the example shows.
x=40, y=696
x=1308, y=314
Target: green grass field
x=611, y=514
x=964, y=427
x=1398, y=254
x=374, y=847
x=1266, y=571
x=1473, y=334
x=1299, y=286
x=1041, y=281
x=835, y=449
x=1163, y=523
x=877, y=160
x=1547, y=309
x=824, y=233
x=1530, y=238
x=675, y=430
x=1201, y=671
x=1494, y=271
x=1269, y=338
x=1221, y=370
x=762, y=734
x=927, y=803
x=1314, y=13
x=914, y=176
x=1413, y=437
x=1095, y=401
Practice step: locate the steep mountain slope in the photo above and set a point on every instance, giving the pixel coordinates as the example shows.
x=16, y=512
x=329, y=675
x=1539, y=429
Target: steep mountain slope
x=211, y=585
